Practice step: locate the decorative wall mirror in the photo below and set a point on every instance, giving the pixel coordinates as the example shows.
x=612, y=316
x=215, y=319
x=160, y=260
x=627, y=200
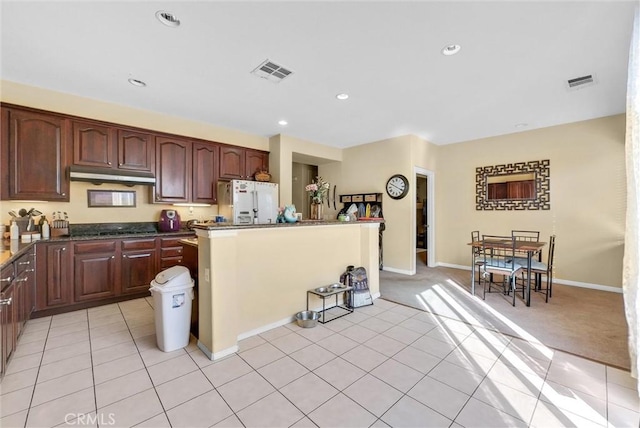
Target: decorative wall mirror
x=513, y=186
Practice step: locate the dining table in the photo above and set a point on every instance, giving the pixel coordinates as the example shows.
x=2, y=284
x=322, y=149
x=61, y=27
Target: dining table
x=531, y=248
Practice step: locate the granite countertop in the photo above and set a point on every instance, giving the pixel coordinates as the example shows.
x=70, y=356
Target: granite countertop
x=230, y=226
x=12, y=249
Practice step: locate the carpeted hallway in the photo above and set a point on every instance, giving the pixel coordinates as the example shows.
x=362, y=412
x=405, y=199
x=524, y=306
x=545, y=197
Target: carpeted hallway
x=584, y=322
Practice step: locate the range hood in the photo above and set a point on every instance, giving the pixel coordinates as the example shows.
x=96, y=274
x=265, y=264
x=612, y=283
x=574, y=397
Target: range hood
x=99, y=176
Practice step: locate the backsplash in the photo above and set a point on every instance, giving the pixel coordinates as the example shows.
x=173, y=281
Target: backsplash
x=78, y=211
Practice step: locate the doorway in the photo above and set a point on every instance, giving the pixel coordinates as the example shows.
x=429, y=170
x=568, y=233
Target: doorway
x=301, y=175
x=423, y=243
x=422, y=246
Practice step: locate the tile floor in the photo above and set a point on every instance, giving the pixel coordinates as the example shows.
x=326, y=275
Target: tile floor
x=383, y=365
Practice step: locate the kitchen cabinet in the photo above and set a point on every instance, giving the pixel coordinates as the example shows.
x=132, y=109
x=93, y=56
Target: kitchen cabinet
x=54, y=275
x=173, y=170
x=93, y=144
x=101, y=145
x=136, y=150
x=240, y=163
x=205, y=167
x=29, y=138
x=139, y=264
x=171, y=252
x=16, y=304
x=94, y=270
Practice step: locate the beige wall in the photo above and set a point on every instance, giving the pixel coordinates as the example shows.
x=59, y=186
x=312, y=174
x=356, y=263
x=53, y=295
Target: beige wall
x=587, y=196
x=587, y=183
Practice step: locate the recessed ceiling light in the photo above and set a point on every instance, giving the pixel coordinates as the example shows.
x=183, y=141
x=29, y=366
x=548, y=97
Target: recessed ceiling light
x=450, y=50
x=136, y=82
x=167, y=18
x=283, y=122
x=521, y=125
x=342, y=97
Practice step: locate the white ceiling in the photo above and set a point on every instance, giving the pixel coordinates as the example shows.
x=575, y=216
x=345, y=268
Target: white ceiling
x=512, y=68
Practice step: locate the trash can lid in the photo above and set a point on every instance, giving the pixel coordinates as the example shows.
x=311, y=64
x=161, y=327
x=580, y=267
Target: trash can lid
x=175, y=275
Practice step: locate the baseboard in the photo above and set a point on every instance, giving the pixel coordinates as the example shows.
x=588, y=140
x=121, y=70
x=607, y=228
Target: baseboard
x=402, y=271
x=218, y=355
x=267, y=327
x=555, y=280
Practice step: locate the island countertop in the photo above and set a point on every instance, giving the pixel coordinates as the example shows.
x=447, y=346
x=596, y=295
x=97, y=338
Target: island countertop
x=303, y=223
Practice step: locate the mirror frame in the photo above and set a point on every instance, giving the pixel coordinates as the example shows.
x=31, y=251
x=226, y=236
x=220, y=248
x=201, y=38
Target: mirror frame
x=541, y=170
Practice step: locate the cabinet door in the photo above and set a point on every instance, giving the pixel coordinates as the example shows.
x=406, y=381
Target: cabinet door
x=94, y=276
x=136, y=151
x=139, y=264
x=232, y=163
x=7, y=324
x=173, y=170
x=54, y=275
x=30, y=139
x=205, y=163
x=93, y=145
x=255, y=161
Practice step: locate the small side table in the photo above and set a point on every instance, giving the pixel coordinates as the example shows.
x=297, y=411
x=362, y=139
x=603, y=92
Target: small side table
x=344, y=310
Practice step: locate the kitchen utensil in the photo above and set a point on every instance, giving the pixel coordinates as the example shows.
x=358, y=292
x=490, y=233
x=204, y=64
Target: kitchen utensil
x=22, y=212
x=35, y=212
x=13, y=214
x=307, y=319
x=334, y=197
x=328, y=197
x=367, y=211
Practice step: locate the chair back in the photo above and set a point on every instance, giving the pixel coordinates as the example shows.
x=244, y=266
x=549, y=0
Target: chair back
x=552, y=248
x=475, y=237
x=526, y=235
x=498, y=254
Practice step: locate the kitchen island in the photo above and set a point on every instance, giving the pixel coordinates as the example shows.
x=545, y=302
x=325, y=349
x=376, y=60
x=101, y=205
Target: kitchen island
x=254, y=278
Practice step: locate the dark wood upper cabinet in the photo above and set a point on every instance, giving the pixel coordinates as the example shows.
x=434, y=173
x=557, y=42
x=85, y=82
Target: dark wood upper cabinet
x=240, y=163
x=93, y=144
x=35, y=154
x=232, y=163
x=205, y=164
x=255, y=161
x=173, y=170
x=136, y=151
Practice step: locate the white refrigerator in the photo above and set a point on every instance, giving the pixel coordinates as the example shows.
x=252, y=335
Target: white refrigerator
x=250, y=202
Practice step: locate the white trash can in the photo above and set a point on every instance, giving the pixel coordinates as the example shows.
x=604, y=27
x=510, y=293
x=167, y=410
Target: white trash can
x=172, y=291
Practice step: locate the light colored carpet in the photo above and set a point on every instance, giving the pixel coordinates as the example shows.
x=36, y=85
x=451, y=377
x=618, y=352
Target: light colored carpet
x=585, y=322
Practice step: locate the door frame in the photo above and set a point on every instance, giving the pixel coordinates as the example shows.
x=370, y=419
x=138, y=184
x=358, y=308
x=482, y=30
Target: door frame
x=431, y=252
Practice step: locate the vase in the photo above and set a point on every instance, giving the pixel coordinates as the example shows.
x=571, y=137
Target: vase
x=316, y=211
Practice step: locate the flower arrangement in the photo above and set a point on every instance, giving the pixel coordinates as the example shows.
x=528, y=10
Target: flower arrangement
x=317, y=190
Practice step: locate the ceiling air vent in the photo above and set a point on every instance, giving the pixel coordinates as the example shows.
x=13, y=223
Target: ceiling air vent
x=271, y=71
x=581, y=82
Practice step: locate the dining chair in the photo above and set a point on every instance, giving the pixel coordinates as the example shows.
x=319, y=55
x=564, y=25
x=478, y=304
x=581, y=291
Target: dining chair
x=476, y=254
x=498, y=255
x=521, y=256
x=539, y=268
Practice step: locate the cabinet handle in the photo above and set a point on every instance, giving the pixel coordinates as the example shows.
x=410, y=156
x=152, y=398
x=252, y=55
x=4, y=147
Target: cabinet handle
x=6, y=301
x=22, y=279
x=29, y=270
x=64, y=194
x=7, y=279
x=24, y=263
x=64, y=248
x=113, y=257
x=108, y=163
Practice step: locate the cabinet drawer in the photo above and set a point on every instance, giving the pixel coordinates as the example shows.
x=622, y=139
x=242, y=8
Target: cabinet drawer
x=24, y=263
x=95, y=247
x=168, y=262
x=139, y=244
x=171, y=252
x=173, y=241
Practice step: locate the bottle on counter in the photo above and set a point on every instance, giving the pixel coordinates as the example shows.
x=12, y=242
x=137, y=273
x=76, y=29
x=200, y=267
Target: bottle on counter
x=45, y=229
x=14, y=230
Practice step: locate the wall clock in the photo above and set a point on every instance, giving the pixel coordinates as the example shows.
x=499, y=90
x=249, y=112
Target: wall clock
x=397, y=186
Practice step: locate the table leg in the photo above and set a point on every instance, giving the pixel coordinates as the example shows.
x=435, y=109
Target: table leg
x=473, y=272
x=529, y=256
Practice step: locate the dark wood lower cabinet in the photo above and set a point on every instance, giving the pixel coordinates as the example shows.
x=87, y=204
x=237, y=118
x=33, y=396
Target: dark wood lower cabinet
x=54, y=275
x=139, y=265
x=78, y=274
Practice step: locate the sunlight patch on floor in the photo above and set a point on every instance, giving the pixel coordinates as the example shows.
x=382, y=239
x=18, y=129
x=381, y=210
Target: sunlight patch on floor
x=524, y=375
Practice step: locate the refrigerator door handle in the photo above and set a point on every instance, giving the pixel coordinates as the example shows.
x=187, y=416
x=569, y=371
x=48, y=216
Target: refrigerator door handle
x=255, y=206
